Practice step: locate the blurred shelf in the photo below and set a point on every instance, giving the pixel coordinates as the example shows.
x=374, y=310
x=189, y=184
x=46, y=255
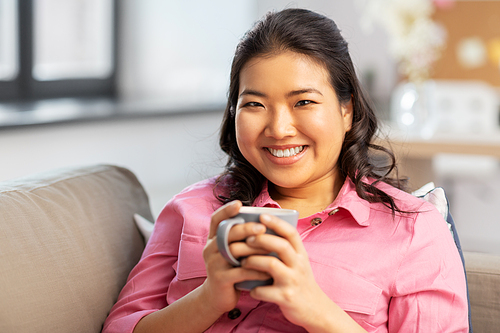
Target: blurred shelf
x=451, y=143
x=414, y=154
x=66, y=110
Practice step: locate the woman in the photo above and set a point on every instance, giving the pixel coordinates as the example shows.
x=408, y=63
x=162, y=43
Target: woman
x=365, y=256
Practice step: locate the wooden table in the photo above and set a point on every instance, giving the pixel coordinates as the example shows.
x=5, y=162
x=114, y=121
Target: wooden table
x=414, y=155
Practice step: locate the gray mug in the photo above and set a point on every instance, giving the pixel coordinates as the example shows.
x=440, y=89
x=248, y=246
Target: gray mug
x=250, y=214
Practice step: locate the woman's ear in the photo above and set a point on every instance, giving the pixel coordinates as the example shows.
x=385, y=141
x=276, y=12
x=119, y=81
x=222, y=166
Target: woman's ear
x=347, y=114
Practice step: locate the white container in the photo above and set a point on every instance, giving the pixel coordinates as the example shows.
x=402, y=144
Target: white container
x=465, y=107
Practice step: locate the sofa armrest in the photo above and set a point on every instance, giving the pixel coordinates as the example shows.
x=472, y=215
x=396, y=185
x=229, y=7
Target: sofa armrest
x=483, y=277
x=67, y=244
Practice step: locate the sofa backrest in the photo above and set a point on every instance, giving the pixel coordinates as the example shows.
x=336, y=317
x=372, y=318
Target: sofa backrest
x=483, y=279
x=67, y=244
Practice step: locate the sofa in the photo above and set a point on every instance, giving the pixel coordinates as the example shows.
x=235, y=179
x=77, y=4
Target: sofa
x=68, y=240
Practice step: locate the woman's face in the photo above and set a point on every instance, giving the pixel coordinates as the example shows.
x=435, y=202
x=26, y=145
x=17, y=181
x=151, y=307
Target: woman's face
x=289, y=123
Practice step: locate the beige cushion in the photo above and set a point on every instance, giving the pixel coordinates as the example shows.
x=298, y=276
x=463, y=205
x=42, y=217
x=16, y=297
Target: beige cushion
x=67, y=243
x=483, y=276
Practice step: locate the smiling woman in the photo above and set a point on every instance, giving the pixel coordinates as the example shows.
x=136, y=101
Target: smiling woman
x=364, y=257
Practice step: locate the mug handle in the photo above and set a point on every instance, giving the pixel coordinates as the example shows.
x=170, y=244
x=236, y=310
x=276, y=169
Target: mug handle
x=222, y=234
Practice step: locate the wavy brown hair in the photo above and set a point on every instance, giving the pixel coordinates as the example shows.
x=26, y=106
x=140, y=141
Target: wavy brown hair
x=314, y=35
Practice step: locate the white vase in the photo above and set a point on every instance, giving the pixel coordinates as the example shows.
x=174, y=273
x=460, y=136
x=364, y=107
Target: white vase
x=412, y=108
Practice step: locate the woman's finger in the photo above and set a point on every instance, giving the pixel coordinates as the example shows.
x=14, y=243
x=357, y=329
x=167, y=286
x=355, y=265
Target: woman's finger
x=242, y=250
x=225, y=212
x=283, y=229
x=240, y=232
x=243, y=274
x=279, y=245
x=265, y=263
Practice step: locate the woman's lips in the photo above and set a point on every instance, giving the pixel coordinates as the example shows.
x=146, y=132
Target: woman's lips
x=289, y=152
x=285, y=155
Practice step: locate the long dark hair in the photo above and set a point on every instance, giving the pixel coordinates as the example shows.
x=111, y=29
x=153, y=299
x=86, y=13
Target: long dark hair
x=316, y=36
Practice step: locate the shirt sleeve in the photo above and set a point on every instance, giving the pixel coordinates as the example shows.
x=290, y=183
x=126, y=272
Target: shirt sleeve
x=147, y=285
x=430, y=293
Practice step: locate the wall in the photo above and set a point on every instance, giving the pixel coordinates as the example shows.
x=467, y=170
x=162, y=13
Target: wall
x=180, y=51
x=182, y=54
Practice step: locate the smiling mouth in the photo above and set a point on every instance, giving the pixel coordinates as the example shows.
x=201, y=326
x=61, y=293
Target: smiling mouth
x=285, y=152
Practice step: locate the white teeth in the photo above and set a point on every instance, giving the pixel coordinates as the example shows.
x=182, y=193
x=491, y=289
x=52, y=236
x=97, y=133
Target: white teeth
x=286, y=152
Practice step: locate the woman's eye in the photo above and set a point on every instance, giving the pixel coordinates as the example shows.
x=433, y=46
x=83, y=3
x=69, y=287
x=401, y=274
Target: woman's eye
x=253, y=104
x=304, y=102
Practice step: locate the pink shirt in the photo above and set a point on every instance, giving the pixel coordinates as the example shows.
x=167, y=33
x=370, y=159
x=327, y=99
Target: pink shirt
x=390, y=275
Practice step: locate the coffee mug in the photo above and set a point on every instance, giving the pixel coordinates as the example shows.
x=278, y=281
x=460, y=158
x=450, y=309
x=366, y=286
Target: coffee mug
x=250, y=214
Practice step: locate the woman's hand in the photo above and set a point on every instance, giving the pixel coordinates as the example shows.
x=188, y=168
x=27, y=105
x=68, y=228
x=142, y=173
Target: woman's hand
x=218, y=289
x=294, y=289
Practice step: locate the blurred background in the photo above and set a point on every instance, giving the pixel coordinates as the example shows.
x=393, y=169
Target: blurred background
x=143, y=84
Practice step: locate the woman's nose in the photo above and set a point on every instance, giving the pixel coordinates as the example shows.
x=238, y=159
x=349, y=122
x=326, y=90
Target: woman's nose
x=280, y=124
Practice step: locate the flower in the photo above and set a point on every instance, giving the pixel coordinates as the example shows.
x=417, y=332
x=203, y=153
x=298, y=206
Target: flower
x=416, y=41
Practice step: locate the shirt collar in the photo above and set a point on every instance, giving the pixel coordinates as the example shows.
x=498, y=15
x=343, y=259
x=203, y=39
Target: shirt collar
x=347, y=199
x=264, y=199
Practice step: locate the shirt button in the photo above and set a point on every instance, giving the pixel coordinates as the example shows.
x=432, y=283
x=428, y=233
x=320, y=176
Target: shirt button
x=234, y=313
x=333, y=211
x=316, y=221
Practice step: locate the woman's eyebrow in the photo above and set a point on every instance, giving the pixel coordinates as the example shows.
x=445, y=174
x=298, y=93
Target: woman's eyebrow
x=252, y=92
x=290, y=94
x=304, y=91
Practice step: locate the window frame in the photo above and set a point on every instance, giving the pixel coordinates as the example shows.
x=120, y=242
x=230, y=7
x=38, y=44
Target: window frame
x=25, y=88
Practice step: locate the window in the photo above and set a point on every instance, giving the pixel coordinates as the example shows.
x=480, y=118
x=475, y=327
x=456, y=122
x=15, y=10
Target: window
x=57, y=48
x=8, y=40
